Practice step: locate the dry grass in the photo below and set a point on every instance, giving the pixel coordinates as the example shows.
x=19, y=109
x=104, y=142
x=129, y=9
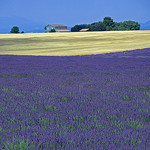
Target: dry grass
x=67, y=44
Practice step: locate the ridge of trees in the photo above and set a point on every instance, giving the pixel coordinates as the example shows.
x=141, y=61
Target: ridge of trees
x=108, y=25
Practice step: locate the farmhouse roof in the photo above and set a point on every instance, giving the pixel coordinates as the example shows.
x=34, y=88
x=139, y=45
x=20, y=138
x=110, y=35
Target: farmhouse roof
x=58, y=25
x=84, y=30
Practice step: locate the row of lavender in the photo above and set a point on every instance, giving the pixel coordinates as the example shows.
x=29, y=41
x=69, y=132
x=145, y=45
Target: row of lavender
x=78, y=102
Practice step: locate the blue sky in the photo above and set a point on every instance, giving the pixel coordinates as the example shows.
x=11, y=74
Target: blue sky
x=72, y=12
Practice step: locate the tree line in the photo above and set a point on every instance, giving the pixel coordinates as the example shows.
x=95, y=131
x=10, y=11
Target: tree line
x=108, y=25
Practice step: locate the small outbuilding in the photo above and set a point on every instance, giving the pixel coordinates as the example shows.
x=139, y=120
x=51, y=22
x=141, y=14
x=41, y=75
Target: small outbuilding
x=84, y=30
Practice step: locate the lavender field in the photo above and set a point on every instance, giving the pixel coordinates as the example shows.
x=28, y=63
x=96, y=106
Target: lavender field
x=96, y=102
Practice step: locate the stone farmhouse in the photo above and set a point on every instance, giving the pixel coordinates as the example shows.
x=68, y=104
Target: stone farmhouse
x=57, y=27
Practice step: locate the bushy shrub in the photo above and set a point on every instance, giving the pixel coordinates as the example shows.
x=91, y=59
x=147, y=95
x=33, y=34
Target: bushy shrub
x=52, y=30
x=15, y=29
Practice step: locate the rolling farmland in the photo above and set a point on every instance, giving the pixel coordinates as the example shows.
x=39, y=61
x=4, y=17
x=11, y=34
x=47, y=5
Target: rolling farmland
x=68, y=44
x=92, y=102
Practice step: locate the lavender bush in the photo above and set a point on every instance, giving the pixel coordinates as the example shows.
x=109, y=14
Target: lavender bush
x=97, y=102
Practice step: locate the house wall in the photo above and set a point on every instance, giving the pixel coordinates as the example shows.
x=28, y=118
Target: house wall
x=49, y=27
x=60, y=28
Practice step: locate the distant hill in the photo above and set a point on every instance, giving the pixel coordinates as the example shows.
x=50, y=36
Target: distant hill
x=35, y=30
x=145, y=26
x=28, y=26
x=24, y=25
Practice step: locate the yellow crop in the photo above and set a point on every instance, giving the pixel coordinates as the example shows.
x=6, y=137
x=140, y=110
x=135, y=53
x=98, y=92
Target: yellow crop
x=73, y=43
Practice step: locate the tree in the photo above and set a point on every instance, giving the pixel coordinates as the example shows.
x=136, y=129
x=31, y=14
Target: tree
x=131, y=25
x=109, y=23
x=127, y=25
x=77, y=28
x=52, y=30
x=97, y=26
x=15, y=29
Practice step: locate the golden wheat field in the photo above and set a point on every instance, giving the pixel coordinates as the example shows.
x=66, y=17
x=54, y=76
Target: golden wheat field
x=73, y=43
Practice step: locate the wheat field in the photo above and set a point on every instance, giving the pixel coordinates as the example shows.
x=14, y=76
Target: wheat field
x=73, y=43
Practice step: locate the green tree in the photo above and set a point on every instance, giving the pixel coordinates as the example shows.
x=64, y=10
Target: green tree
x=131, y=25
x=52, y=30
x=109, y=23
x=77, y=28
x=127, y=25
x=97, y=26
x=15, y=29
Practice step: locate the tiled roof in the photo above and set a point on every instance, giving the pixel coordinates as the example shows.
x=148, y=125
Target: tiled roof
x=58, y=25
